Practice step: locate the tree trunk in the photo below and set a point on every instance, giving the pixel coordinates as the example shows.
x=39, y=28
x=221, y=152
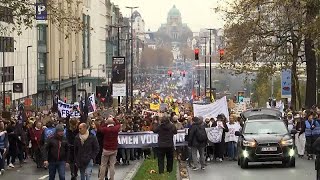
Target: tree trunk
x=310, y=59
x=293, y=86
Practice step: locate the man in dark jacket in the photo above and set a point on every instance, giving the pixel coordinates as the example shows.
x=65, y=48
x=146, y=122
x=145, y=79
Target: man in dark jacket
x=197, y=143
x=56, y=154
x=166, y=131
x=86, y=148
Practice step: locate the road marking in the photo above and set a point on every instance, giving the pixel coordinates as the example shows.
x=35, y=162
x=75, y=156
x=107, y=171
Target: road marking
x=44, y=177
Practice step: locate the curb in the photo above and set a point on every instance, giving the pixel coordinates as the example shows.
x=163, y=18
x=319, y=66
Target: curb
x=178, y=171
x=133, y=171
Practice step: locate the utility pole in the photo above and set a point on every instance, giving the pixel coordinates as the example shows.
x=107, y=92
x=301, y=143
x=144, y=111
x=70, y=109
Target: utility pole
x=131, y=18
x=3, y=79
x=205, y=65
x=118, y=54
x=210, y=58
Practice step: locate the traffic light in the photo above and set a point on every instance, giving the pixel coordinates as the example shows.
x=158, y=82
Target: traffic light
x=196, y=54
x=221, y=53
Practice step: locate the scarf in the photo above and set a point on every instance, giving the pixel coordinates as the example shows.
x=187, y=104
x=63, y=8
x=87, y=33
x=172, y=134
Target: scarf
x=84, y=137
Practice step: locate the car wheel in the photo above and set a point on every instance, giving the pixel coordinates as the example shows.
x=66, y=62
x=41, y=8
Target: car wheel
x=289, y=163
x=293, y=163
x=243, y=163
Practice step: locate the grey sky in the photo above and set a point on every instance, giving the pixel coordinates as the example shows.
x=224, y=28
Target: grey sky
x=197, y=14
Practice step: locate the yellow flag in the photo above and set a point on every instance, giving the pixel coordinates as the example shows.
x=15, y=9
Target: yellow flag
x=154, y=107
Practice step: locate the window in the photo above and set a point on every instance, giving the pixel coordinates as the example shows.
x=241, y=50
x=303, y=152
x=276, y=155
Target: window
x=6, y=44
x=265, y=127
x=7, y=73
x=6, y=14
x=42, y=34
x=42, y=57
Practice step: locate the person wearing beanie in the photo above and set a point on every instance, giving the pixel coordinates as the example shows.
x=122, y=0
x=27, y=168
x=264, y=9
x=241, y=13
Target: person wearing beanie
x=55, y=153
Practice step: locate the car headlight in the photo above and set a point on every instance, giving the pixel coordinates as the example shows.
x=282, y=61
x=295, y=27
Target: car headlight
x=249, y=143
x=288, y=142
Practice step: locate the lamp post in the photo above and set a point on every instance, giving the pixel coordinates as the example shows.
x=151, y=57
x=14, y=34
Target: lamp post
x=118, y=47
x=59, y=76
x=205, y=65
x=131, y=20
x=28, y=70
x=210, y=51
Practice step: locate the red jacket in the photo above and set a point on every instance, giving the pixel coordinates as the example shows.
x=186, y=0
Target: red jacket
x=35, y=137
x=110, y=136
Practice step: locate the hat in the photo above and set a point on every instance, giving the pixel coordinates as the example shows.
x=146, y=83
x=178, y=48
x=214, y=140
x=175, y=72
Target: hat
x=59, y=128
x=289, y=114
x=200, y=118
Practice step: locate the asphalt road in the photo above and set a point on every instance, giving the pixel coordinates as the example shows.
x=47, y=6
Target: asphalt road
x=30, y=172
x=228, y=170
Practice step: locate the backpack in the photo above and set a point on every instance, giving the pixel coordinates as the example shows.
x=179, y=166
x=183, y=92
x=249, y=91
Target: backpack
x=201, y=134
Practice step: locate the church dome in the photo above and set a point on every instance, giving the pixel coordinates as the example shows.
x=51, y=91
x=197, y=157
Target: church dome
x=174, y=12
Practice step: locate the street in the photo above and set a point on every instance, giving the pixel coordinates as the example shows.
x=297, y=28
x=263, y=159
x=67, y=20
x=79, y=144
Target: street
x=30, y=172
x=231, y=171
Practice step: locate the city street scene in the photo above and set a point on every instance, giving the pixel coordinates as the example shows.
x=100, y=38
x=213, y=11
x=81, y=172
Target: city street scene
x=159, y=89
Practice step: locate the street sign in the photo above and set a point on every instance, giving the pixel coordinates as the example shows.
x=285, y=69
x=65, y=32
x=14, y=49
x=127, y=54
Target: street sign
x=17, y=88
x=118, y=70
x=41, y=13
x=286, y=83
x=118, y=90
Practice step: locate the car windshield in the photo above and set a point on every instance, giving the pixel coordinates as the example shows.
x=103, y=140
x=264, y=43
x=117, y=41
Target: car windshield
x=265, y=127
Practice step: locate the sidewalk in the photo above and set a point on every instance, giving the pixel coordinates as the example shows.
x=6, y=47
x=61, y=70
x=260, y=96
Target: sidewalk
x=30, y=172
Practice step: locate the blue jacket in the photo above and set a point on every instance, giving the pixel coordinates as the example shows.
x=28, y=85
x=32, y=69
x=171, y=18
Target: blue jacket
x=4, y=141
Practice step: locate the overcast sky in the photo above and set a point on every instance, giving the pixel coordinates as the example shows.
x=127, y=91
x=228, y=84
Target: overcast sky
x=196, y=13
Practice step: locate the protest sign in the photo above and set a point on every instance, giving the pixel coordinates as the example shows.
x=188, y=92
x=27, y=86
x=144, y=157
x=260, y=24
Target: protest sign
x=212, y=110
x=150, y=139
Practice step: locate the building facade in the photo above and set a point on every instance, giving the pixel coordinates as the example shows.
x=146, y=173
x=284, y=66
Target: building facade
x=18, y=62
x=174, y=30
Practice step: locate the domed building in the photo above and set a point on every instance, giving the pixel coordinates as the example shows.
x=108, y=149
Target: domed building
x=174, y=30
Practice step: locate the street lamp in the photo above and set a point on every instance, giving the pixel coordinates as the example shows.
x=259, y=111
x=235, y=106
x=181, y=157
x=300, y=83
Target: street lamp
x=205, y=65
x=210, y=51
x=28, y=70
x=132, y=8
x=59, y=75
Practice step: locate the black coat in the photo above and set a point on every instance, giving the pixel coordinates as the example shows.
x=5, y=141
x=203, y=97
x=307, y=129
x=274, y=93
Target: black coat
x=56, y=149
x=85, y=152
x=166, y=131
x=192, y=138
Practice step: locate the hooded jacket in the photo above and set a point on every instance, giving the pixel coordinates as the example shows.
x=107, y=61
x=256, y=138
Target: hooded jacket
x=166, y=131
x=192, y=138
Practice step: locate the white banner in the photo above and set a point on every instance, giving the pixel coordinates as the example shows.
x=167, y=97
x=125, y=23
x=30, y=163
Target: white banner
x=214, y=134
x=66, y=109
x=118, y=90
x=212, y=110
x=92, y=101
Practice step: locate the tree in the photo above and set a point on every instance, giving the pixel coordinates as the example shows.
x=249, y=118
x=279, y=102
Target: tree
x=21, y=15
x=265, y=34
x=187, y=52
x=151, y=58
